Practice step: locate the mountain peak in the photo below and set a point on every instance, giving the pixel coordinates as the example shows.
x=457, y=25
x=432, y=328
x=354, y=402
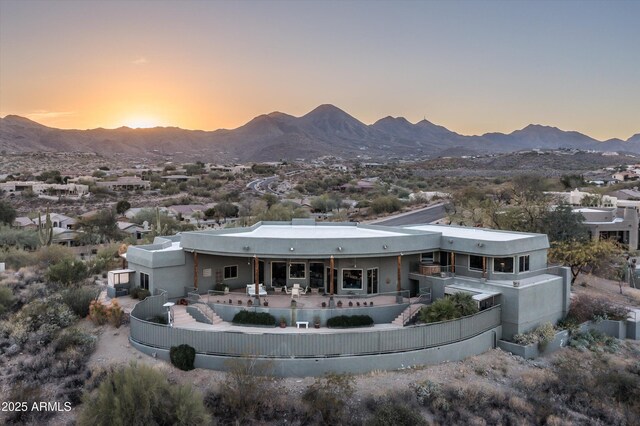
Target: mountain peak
x=23, y=121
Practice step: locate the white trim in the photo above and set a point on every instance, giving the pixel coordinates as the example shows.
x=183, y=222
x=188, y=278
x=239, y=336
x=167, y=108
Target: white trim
x=469, y=263
x=224, y=272
x=362, y=278
x=304, y=275
x=513, y=264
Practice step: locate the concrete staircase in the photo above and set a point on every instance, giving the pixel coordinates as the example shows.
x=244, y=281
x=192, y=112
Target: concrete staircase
x=408, y=314
x=202, y=312
x=181, y=318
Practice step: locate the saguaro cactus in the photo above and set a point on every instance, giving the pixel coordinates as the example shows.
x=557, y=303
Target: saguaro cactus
x=45, y=233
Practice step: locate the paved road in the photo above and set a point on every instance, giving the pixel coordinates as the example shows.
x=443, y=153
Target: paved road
x=422, y=216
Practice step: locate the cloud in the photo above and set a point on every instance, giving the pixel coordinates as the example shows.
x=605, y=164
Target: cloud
x=42, y=114
x=140, y=61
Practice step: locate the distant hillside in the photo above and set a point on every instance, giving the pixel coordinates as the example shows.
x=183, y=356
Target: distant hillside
x=327, y=130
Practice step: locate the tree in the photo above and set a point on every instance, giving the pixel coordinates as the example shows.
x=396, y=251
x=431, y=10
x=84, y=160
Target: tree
x=7, y=213
x=562, y=224
x=67, y=272
x=581, y=255
x=100, y=228
x=122, y=206
x=225, y=209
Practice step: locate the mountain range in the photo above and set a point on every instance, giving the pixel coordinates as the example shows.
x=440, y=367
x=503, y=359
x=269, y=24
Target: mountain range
x=327, y=130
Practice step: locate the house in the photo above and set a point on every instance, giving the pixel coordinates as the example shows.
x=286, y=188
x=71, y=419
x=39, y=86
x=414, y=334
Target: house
x=58, y=220
x=45, y=190
x=23, y=222
x=617, y=224
x=125, y=183
x=136, y=231
x=352, y=260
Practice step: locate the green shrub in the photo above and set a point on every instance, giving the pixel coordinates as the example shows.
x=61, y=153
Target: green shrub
x=139, y=293
x=183, y=357
x=449, y=308
x=79, y=299
x=67, y=272
x=394, y=414
x=17, y=258
x=51, y=311
x=140, y=395
x=6, y=299
x=346, y=321
x=73, y=338
x=255, y=318
x=594, y=341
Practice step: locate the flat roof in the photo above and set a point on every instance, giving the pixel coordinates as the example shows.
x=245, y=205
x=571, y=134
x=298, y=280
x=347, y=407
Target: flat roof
x=314, y=232
x=472, y=233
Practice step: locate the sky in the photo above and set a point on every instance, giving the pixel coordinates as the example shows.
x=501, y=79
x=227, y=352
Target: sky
x=471, y=66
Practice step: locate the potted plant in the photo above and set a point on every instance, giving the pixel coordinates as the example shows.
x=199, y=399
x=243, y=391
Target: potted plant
x=283, y=322
x=358, y=303
x=324, y=304
x=249, y=302
x=339, y=303
x=239, y=302
x=230, y=301
x=316, y=321
x=265, y=303
x=350, y=303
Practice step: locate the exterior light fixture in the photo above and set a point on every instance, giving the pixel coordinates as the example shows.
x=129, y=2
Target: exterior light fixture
x=291, y=249
x=339, y=248
x=246, y=248
x=384, y=247
x=450, y=241
x=480, y=244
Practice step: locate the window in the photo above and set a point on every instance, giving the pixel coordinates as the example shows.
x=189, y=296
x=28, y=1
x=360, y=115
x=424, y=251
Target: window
x=503, y=264
x=144, y=280
x=278, y=274
x=475, y=263
x=297, y=270
x=230, y=272
x=523, y=263
x=445, y=257
x=352, y=279
x=372, y=281
x=427, y=257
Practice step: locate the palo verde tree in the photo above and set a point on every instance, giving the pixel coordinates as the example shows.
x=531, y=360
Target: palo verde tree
x=583, y=255
x=7, y=213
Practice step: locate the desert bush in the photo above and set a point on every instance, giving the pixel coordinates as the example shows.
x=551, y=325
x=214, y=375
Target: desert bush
x=182, y=357
x=327, y=398
x=542, y=336
x=430, y=394
x=52, y=255
x=395, y=414
x=51, y=311
x=256, y=318
x=73, y=337
x=98, y=313
x=346, y=321
x=594, y=341
x=106, y=259
x=67, y=272
x=448, y=308
x=246, y=380
x=140, y=395
x=30, y=394
x=79, y=299
x=587, y=308
x=115, y=314
x=6, y=299
x=17, y=258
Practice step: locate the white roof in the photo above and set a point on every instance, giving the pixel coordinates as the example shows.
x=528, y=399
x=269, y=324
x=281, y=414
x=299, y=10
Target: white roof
x=314, y=232
x=175, y=246
x=472, y=233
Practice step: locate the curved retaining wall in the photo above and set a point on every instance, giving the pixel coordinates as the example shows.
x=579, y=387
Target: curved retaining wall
x=303, y=354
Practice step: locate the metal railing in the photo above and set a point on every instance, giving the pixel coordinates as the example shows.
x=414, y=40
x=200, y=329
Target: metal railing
x=315, y=345
x=423, y=298
x=452, y=271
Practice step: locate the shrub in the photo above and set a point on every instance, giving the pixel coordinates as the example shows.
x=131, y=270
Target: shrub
x=17, y=258
x=594, y=341
x=139, y=394
x=449, y=308
x=115, y=314
x=74, y=338
x=182, y=357
x=139, y=293
x=345, y=321
x=6, y=299
x=67, y=272
x=98, y=313
x=79, y=299
x=587, y=308
x=158, y=319
x=541, y=336
x=51, y=311
x=255, y=318
x=394, y=414
x=327, y=398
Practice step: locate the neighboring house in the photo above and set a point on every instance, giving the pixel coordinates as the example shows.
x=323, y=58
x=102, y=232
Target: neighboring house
x=625, y=176
x=65, y=237
x=125, y=183
x=178, y=178
x=618, y=224
x=133, y=229
x=24, y=222
x=45, y=190
x=58, y=221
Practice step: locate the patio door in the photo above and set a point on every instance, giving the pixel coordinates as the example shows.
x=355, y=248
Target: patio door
x=278, y=274
x=316, y=274
x=327, y=286
x=372, y=281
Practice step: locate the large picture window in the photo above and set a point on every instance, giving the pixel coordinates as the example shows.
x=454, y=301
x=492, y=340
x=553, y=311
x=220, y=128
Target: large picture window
x=230, y=272
x=297, y=270
x=278, y=274
x=352, y=279
x=503, y=264
x=475, y=263
x=523, y=263
x=144, y=280
x=427, y=257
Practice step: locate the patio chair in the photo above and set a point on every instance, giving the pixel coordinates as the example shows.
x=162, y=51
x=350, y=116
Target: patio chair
x=286, y=290
x=295, y=291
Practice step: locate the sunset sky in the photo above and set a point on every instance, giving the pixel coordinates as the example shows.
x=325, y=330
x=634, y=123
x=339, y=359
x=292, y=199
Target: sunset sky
x=471, y=66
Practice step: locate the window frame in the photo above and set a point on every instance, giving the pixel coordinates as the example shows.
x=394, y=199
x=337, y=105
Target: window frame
x=527, y=261
x=471, y=268
x=304, y=270
x=144, y=280
x=224, y=272
x=343, y=270
x=497, y=259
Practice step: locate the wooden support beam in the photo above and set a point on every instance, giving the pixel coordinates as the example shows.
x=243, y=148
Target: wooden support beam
x=256, y=274
x=453, y=262
x=399, y=283
x=195, y=270
x=331, y=284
